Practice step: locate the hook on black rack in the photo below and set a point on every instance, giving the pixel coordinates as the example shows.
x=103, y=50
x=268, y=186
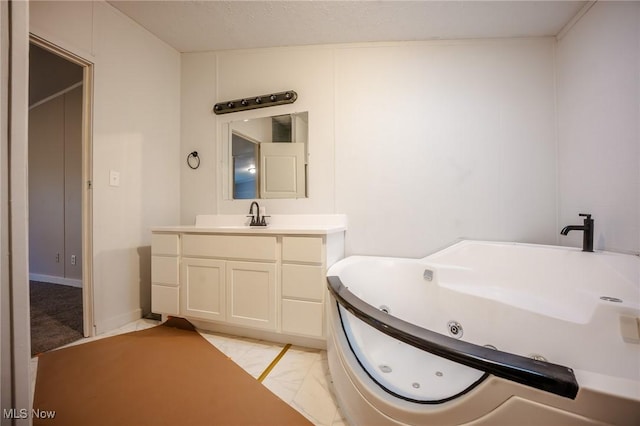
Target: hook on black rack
x=193, y=161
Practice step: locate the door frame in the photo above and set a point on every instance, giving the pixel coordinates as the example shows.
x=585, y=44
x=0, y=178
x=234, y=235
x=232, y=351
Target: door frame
x=87, y=173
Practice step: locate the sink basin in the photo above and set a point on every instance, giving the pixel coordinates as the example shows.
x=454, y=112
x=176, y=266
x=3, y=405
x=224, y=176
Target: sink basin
x=227, y=221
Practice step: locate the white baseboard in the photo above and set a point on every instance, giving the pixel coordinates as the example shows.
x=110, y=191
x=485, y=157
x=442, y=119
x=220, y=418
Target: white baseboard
x=118, y=321
x=73, y=282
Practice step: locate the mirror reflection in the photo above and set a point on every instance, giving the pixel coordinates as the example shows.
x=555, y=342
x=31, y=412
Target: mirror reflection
x=269, y=157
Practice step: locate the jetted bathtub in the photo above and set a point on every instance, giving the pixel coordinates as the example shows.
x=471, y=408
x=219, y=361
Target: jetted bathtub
x=487, y=333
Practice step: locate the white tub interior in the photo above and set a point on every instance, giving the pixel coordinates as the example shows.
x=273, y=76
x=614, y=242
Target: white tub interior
x=559, y=282
x=524, y=299
x=393, y=365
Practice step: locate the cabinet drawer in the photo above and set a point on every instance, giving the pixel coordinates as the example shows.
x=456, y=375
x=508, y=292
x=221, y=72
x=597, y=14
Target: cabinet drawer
x=164, y=300
x=230, y=246
x=164, y=270
x=303, y=282
x=301, y=317
x=303, y=249
x=166, y=244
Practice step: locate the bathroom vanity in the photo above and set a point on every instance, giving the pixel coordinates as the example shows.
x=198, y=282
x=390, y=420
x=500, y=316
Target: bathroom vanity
x=261, y=282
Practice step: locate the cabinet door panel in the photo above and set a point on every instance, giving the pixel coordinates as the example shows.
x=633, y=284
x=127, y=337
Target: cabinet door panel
x=252, y=294
x=203, y=288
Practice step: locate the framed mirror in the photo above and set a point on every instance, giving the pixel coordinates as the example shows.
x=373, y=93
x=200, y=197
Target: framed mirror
x=268, y=157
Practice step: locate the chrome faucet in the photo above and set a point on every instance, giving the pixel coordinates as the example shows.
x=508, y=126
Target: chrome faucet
x=256, y=220
x=587, y=228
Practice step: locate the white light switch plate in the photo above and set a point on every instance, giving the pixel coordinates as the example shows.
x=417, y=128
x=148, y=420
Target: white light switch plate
x=114, y=178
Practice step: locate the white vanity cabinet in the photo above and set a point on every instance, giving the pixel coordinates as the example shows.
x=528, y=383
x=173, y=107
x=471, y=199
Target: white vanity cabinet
x=269, y=281
x=165, y=250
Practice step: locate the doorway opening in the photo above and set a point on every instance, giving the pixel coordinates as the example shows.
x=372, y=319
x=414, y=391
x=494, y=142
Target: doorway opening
x=60, y=255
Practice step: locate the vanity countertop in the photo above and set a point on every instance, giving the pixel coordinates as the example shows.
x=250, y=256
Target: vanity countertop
x=319, y=230
x=278, y=224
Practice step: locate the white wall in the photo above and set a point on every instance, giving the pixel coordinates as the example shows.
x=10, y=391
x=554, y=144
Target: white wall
x=212, y=77
x=418, y=143
x=136, y=131
x=599, y=125
x=437, y=141
x=197, y=132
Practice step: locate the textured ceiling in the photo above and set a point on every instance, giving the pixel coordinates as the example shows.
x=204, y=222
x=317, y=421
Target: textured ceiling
x=191, y=26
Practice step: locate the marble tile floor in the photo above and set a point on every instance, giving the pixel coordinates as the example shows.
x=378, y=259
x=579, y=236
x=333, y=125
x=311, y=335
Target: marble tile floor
x=300, y=378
